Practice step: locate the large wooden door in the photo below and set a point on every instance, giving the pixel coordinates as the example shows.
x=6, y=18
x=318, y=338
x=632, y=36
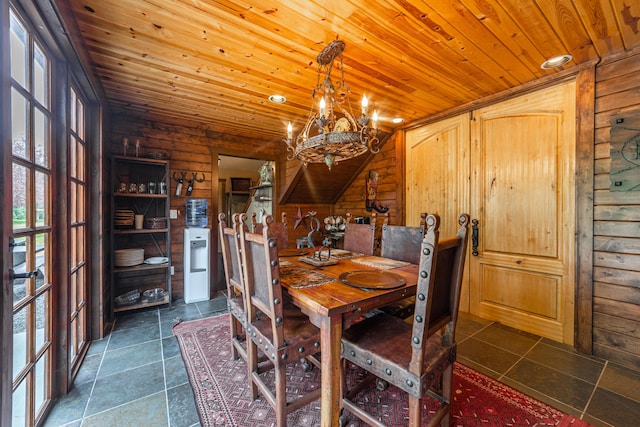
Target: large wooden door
x=523, y=197
x=437, y=177
x=511, y=167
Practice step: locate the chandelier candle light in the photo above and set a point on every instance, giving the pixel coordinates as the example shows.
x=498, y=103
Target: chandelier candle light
x=337, y=135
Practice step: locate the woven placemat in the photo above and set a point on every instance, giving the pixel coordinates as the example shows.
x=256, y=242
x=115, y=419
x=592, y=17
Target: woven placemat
x=379, y=262
x=298, y=278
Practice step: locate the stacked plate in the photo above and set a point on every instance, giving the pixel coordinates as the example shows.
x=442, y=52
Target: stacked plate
x=155, y=222
x=128, y=257
x=123, y=218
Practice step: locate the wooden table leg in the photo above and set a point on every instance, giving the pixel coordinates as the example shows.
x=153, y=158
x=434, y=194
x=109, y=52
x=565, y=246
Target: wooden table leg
x=331, y=336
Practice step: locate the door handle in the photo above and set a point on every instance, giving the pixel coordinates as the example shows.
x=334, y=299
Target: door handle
x=474, y=237
x=27, y=275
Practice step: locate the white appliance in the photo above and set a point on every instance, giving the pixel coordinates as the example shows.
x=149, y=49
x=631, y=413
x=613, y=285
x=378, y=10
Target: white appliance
x=196, y=264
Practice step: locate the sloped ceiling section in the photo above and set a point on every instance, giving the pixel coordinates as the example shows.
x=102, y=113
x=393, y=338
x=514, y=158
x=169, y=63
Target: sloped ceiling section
x=315, y=184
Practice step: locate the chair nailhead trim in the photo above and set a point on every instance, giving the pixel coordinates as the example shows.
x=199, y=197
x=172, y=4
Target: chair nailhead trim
x=410, y=383
x=419, y=319
x=276, y=301
x=353, y=353
x=283, y=357
x=272, y=244
x=421, y=297
x=387, y=371
x=274, y=263
x=301, y=350
x=278, y=320
x=423, y=274
x=316, y=344
x=369, y=362
x=426, y=251
x=275, y=281
x=416, y=340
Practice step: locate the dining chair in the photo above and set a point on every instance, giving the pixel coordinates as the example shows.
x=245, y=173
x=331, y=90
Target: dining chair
x=278, y=229
x=360, y=238
x=402, y=243
x=417, y=358
x=283, y=333
x=229, y=241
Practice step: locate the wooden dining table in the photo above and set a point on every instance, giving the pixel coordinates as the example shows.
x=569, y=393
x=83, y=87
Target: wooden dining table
x=334, y=306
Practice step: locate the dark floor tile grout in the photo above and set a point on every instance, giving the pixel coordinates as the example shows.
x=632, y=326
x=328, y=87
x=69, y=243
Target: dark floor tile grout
x=95, y=379
x=164, y=370
x=593, y=392
x=504, y=374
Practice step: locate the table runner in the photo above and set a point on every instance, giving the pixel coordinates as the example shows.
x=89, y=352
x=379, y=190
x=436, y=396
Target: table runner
x=379, y=262
x=342, y=254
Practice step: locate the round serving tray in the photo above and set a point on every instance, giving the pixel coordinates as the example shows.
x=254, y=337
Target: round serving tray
x=372, y=279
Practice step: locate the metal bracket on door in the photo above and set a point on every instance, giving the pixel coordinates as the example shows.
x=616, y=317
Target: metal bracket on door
x=474, y=237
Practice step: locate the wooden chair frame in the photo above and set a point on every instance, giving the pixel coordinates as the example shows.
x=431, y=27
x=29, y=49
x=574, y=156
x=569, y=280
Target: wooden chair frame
x=282, y=332
x=229, y=241
x=417, y=358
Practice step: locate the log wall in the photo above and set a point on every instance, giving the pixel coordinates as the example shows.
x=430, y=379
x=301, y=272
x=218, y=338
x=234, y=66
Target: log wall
x=616, y=244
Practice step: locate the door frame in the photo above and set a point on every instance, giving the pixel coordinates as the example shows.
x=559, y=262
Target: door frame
x=6, y=351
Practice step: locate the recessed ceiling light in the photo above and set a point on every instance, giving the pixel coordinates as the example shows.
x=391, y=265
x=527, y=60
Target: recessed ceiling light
x=397, y=120
x=556, y=61
x=277, y=99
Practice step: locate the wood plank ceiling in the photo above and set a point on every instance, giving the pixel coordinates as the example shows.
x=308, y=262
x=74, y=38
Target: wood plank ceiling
x=216, y=62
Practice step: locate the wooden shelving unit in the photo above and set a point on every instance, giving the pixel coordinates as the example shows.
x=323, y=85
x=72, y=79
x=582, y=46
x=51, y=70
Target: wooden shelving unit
x=156, y=242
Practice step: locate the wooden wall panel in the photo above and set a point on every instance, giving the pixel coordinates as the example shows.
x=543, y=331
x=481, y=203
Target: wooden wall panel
x=389, y=176
x=616, y=273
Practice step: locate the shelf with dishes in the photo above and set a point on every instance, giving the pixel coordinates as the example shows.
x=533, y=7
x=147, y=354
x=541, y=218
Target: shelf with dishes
x=138, y=281
x=140, y=233
x=140, y=267
x=136, y=298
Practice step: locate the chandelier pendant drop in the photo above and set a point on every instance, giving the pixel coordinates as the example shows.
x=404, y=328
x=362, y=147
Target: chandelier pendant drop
x=333, y=133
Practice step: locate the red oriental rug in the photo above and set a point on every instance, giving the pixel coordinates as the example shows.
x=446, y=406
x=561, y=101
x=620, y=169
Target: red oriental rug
x=222, y=397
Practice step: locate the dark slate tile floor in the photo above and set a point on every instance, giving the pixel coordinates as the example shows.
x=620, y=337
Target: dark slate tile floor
x=136, y=376
x=594, y=390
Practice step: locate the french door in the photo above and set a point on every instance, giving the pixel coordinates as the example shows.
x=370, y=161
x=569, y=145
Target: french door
x=44, y=330
x=31, y=242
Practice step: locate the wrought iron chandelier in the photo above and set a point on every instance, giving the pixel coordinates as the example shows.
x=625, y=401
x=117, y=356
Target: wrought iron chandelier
x=332, y=133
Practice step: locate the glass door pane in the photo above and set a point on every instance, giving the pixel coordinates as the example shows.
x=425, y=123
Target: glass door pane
x=32, y=229
x=78, y=334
